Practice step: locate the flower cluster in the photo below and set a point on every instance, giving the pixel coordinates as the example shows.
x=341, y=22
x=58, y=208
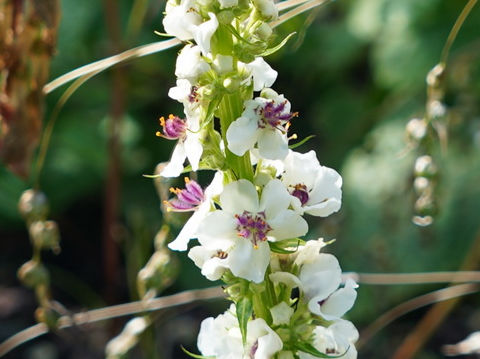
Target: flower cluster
x=288, y=297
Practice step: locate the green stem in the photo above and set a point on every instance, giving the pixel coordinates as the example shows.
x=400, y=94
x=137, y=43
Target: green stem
x=230, y=109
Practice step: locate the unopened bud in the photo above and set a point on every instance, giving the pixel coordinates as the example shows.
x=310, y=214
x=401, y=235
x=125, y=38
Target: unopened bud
x=45, y=235
x=231, y=84
x=434, y=76
x=263, y=31
x=33, y=274
x=225, y=17
x=160, y=271
x=436, y=109
x=33, y=205
x=416, y=129
x=425, y=167
x=422, y=185
x=422, y=221
x=49, y=316
x=424, y=206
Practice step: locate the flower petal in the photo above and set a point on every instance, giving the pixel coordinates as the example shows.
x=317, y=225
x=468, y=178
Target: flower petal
x=287, y=224
x=340, y=302
x=239, y=196
x=275, y=199
x=248, y=262
x=262, y=73
x=216, y=228
x=175, y=167
x=272, y=144
x=242, y=135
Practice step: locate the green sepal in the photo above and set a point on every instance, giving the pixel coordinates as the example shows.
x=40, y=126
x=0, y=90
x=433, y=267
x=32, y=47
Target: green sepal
x=244, y=312
x=197, y=356
x=280, y=247
x=274, y=49
x=310, y=349
x=298, y=144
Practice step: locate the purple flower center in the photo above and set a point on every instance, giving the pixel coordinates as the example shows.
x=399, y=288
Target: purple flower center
x=187, y=199
x=252, y=226
x=173, y=128
x=300, y=191
x=274, y=115
x=193, y=96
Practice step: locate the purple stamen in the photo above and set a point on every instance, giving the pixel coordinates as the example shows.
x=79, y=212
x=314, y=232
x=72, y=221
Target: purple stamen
x=252, y=226
x=274, y=115
x=300, y=191
x=173, y=128
x=188, y=199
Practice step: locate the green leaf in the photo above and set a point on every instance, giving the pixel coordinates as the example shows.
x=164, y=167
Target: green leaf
x=310, y=349
x=295, y=145
x=197, y=356
x=276, y=249
x=274, y=49
x=244, y=312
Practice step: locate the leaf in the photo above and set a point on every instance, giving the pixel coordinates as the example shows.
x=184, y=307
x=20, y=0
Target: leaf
x=298, y=144
x=310, y=349
x=198, y=356
x=244, y=312
x=274, y=49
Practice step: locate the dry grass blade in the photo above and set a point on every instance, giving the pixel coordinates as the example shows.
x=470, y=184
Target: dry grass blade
x=103, y=64
x=112, y=312
x=297, y=11
x=412, y=304
x=414, y=278
x=284, y=5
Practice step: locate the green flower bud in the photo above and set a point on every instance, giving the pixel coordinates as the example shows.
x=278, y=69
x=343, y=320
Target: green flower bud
x=33, y=274
x=48, y=316
x=45, y=235
x=231, y=84
x=33, y=205
x=225, y=17
x=263, y=31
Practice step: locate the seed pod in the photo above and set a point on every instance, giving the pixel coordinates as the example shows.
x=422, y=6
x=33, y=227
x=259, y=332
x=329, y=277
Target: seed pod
x=33, y=274
x=33, y=205
x=45, y=235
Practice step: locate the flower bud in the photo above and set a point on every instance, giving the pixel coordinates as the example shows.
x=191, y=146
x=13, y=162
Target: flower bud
x=425, y=206
x=416, y=129
x=231, y=84
x=160, y=271
x=435, y=75
x=33, y=205
x=422, y=185
x=436, y=109
x=425, y=167
x=48, y=316
x=422, y=221
x=225, y=17
x=32, y=274
x=267, y=9
x=45, y=235
x=263, y=31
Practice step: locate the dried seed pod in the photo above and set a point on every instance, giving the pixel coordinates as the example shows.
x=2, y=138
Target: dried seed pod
x=45, y=235
x=33, y=205
x=33, y=274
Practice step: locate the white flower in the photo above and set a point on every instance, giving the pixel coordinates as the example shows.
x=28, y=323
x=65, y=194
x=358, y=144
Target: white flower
x=184, y=22
x=337, y=339
x=221, y=338
x=316, y=189
x=190, y=228
x=319, y=280
x=190, y=64
x=264, y=122
x=188, y=146
x=236, y=236
x=179, y=19
x=261, y=72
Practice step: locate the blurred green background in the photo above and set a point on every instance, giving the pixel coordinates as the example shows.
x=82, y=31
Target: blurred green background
x=355, y=72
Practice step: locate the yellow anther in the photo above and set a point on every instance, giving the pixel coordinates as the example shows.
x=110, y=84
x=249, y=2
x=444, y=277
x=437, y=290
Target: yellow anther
x=187, y=180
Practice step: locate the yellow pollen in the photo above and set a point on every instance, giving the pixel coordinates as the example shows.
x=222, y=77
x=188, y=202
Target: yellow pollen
x=158, y=134
x=171, y=116
x=187, y=180
x=162, y=121
x=255, y=246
